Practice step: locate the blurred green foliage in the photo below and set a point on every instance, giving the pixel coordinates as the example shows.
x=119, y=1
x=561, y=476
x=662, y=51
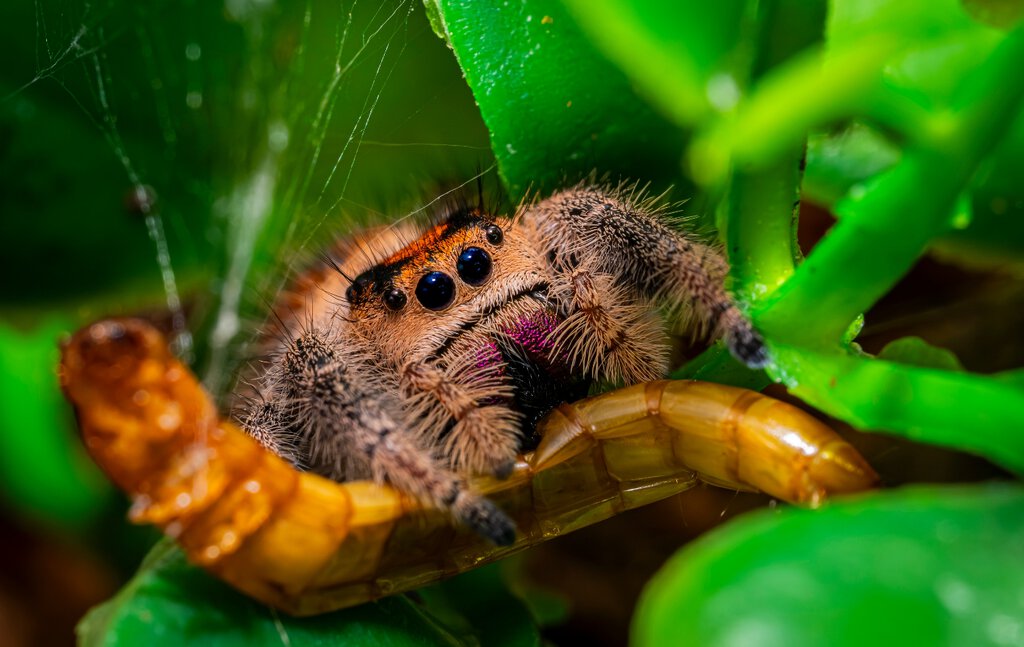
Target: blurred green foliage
x=265, y=128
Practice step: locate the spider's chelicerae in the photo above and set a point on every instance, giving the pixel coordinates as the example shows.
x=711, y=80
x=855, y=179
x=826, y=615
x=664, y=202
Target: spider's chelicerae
x=416, y=356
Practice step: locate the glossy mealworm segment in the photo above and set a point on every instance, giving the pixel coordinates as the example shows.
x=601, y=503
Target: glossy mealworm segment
x=308, y=545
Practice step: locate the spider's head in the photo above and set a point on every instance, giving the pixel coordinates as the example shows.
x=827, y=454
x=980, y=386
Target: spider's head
x=451, y=277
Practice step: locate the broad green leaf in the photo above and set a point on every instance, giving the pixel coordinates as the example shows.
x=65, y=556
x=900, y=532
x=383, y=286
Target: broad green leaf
x=170, y=602
x=691, y=59
x=556, y=109
x=921, y=566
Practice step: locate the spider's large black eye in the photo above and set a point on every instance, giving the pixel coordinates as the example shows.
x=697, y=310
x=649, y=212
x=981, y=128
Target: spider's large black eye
x=474, y=265
x=394, y=299
x=494, y=234
x=435, y=291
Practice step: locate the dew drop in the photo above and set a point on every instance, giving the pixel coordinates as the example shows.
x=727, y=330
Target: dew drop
x=277, y=137
x=955, y=595
x=722, y=91
x=1004, y=630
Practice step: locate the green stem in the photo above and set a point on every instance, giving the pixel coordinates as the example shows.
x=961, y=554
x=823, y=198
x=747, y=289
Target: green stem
x=760, y=227
x=887, y=227
x=952, y=408
x=716, y=364
x=759, y=223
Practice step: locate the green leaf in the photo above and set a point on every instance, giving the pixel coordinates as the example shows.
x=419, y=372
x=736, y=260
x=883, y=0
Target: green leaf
x=838, y=161
x=690, y=58
x=988, y=229
x=1014, y=378
x=891, y=222
x=716, y=364
x=556, y=109
x=933, y=566
x=493, y=615
x=170, y=602
x=915, y=351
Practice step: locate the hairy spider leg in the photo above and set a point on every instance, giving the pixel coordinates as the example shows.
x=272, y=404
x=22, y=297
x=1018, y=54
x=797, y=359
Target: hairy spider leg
x=632, y=243
x=354, y=432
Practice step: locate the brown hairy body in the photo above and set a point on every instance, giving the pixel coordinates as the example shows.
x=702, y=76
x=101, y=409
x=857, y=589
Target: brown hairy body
x=416, y=356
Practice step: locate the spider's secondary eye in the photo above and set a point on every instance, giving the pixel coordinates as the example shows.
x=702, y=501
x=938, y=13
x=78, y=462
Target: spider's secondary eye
x=474, y=265
x=355, y=290
x=435, y=291
x=494, y=234
x=394, y=299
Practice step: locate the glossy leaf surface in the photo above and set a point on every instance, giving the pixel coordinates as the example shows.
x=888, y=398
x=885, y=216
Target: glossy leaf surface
x=918, y=566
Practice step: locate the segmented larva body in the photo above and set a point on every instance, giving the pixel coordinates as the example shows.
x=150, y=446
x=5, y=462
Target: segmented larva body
x=306, y=544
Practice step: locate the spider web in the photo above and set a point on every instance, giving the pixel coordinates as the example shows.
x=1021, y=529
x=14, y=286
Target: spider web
x=245, y=134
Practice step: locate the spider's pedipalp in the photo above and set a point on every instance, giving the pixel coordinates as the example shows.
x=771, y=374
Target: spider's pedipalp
x=467, y=403
x=645, y=256
x=607, y=334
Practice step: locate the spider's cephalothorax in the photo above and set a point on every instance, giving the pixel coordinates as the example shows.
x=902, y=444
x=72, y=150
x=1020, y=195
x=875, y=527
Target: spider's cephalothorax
x=415, y=357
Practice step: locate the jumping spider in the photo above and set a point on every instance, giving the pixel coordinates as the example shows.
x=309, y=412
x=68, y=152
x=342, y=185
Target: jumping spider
x=418, y=356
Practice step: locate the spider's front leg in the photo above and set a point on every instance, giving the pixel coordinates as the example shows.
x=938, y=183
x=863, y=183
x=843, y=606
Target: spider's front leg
x=351, y=430
x=598, y=233
x=461, y=404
